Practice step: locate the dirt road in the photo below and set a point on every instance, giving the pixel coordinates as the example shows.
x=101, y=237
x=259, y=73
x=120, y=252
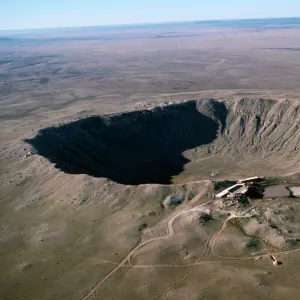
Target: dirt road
x=211, y=243
x=170, y=232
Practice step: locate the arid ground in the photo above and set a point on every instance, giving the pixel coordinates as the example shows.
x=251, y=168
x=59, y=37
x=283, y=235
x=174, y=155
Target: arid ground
x=111, y=144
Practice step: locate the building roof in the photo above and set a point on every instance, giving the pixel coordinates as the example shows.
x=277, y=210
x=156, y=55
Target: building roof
x=231, y=189
x=241, y=190
x=248, y=179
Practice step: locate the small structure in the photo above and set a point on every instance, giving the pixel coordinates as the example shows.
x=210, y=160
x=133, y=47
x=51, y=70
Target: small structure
x=241, y=191
x=247, y=187
x=231, y=190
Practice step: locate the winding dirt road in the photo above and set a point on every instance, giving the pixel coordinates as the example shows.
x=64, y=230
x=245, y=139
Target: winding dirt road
x=211, y=243
x=170, y=232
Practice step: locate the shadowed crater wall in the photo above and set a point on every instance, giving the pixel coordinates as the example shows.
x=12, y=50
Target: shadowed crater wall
x=133, y=147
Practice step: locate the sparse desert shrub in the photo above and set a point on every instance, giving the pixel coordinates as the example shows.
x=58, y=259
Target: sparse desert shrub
x=253, y=243
x=204, y=218
x=173, y=200
x=143, y=226
x=236, y=222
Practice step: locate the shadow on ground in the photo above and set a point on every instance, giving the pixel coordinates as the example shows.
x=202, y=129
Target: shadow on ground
x=134, y=147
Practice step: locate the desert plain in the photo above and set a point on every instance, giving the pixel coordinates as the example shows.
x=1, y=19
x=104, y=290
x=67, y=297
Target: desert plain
x=113, y=144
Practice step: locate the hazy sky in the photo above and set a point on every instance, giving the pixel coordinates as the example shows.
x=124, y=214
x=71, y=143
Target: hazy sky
x=19, y=14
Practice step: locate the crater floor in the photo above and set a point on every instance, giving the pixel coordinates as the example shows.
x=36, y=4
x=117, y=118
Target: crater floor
x=179, y=143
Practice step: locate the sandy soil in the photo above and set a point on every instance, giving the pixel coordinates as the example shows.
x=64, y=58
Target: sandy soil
x=62, y=233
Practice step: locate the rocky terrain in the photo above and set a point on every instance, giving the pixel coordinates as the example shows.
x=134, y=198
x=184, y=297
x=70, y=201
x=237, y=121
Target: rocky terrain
x=114, y=144
x=121, y=197
x=153, y=145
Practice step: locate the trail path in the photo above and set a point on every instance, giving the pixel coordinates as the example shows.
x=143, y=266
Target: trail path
x=211, y=243
x=170, y=232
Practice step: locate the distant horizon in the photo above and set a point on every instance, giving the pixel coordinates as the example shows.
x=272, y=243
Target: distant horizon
x=36, y=14
x=149, y=23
